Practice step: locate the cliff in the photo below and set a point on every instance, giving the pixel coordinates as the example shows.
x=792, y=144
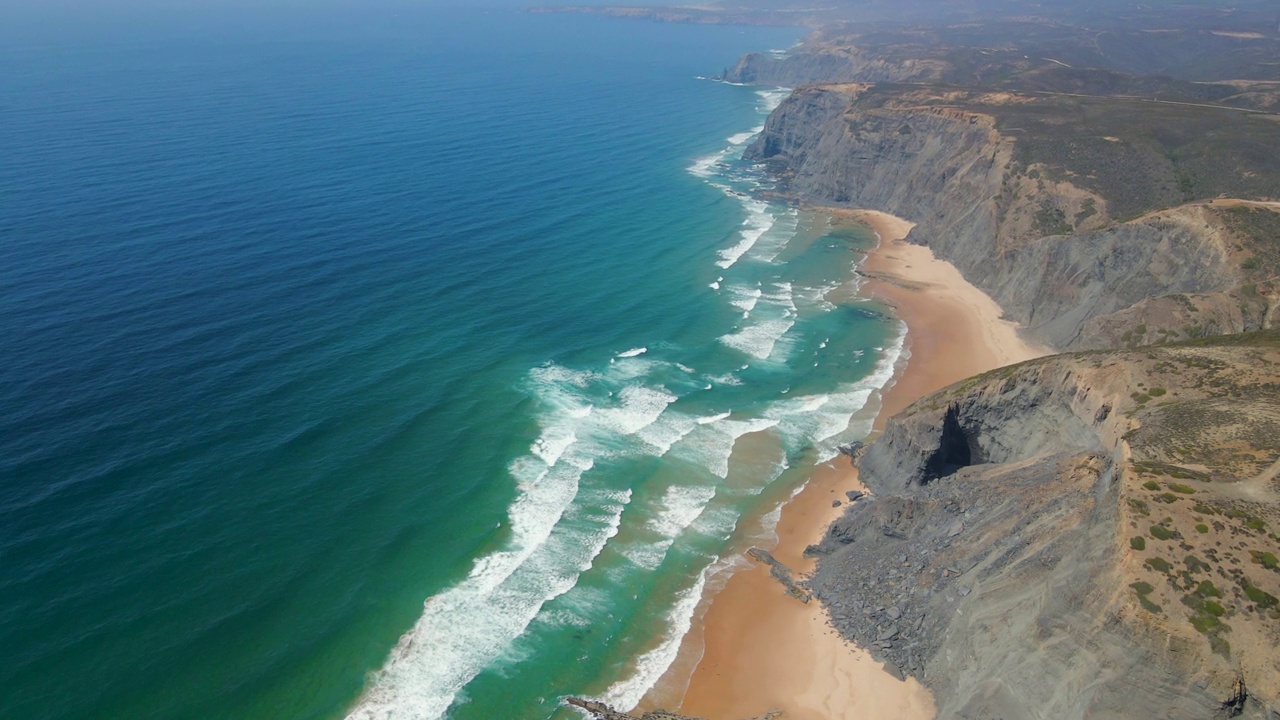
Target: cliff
x=1069, y=211
x=1174, y=51
x=1091, y=534
x=831, y=65
x=1046, y=541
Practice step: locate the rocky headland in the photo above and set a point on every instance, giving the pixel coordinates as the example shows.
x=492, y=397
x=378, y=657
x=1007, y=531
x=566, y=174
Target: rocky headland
x=1090, y=534
x=1085, y=535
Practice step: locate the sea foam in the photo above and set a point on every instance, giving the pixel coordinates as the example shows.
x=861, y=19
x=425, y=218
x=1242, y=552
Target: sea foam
x=469, y=626
x=759, y=220
x=651, y=664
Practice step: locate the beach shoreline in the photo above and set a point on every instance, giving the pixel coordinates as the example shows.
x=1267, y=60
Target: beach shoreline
x=757, y=649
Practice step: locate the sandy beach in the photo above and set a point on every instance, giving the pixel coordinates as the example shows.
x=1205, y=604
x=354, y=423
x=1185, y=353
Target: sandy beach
x=759, y=649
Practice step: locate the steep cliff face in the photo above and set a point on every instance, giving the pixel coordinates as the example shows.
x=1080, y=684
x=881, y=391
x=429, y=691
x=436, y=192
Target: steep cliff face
x=831, y=65
x=1040, y=239
x=1045, y=542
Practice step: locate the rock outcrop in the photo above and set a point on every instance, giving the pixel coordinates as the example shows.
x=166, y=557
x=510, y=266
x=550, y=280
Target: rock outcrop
x=600, y=711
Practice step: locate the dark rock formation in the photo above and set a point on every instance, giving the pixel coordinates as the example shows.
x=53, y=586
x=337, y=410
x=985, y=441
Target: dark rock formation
x=600, y=711
x=781, y=573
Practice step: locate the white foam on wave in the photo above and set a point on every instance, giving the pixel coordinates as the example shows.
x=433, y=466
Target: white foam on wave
x=668, y=430
x=633, y=352
x=769, y=522
x=759, y=220
x=580, y=608
x=821, y=420
x=705, y=167
x=678, y=509
x=640, y=406
x=625, y=369
x=471, y=625
x=680, y=506
x=772, y=243
x=728, y=379
x=744, y=297
x=710, y=445
x=761, y=338
x=555, y=440
x=645, y=555
x=758, y=339
x=771, y=98
x=816, y=297
x=558, y=524
x=712, y=418
x=650, y=665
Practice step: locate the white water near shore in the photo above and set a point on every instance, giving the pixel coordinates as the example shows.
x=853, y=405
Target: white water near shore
x=598, y=421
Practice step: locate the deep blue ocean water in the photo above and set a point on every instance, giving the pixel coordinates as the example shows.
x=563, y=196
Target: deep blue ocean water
x=409, y=361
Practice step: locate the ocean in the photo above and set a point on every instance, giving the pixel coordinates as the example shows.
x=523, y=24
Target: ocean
x=394, y=362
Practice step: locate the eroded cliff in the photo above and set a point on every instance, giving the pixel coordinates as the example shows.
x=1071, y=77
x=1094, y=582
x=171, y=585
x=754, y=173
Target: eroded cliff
x=1046, y=541
x=1067, y=226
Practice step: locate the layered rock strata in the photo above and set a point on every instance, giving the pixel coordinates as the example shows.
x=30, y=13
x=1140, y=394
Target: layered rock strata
x=1044, y=240
x=1045, y=541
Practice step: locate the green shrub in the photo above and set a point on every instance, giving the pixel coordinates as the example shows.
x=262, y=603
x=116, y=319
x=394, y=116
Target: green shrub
x=1151, y=485
x=1157, y=392
x=1143, y=590
x=1138, y=543
x=1204, y=622
x=1259, y=596
x=1184, y=489
x=1159, y=564
x=1160, y=532
x=1206, y=589
x=1265, y=559
x=1214, y=609
x=1204, y=509
x=1168, y=498
x=1202, y=528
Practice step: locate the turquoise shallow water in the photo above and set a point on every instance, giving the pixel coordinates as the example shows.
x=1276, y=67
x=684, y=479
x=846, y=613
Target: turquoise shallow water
x=311, y=318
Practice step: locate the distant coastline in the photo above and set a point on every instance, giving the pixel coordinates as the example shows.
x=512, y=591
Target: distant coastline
x=694, y=15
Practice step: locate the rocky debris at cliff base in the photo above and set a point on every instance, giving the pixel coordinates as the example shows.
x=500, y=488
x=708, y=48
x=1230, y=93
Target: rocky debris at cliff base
x=600, y=711
x=782, y=574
